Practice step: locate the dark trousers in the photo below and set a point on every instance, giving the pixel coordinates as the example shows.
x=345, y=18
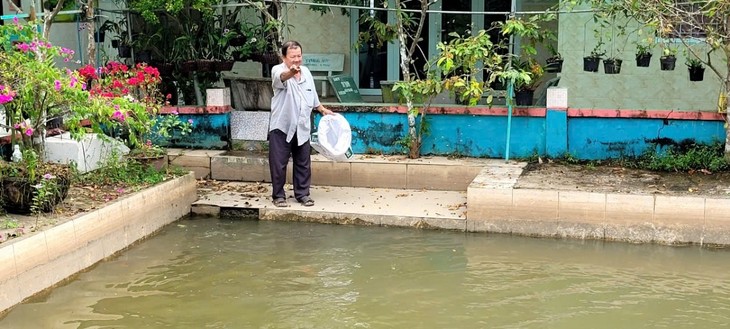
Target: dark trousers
x=279, y=151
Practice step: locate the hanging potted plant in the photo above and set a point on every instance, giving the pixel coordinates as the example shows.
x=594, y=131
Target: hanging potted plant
x=643, y=55
x=590, y=62
x=668, y=59
x=696, y=69
x=612, y=65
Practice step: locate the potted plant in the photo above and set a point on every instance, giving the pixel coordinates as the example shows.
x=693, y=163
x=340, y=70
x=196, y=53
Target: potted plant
x=525, y=86
x=643, y=55
x=250, y=40
x=270, y=32
x=120, y=40
x=668, y=59
x=554, y=63
x=696, y=69
x=144, y=45
x=590, y=62
x=612, y=65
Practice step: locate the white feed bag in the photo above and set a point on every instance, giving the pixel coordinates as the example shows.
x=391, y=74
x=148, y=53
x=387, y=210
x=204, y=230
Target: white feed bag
x=333, y=138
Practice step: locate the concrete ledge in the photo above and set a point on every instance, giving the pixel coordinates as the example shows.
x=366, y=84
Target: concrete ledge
x=37, y=262
x=197, y=161
x=345, y=218
x=434, y=173
x=603, y=216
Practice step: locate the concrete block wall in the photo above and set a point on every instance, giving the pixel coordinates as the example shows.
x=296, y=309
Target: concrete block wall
x=362, y=171
x=587, y=215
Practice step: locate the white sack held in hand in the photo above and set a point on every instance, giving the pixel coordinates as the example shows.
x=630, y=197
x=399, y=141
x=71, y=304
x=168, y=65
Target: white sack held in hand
x=333, y=138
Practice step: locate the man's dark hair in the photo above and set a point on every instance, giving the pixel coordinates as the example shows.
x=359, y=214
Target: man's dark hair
x=290, y=44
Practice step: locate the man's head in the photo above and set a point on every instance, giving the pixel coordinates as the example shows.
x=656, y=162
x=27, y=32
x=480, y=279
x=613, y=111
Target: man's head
x=291, y=52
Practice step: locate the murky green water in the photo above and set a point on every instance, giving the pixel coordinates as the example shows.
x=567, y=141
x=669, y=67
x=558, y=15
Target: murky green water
x=208, y=273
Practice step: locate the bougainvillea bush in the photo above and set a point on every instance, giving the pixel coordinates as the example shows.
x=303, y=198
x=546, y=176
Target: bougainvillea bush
x=132, y=92
x=34, y=90
x=139, y=84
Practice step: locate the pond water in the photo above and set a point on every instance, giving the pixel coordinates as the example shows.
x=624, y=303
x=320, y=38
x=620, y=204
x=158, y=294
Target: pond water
x=211, y=273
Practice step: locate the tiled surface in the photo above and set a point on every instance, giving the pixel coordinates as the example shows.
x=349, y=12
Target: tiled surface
x=669, y=210
x=627, y=209
x=530, y=204
x=378, y=175
x=581, y=206
x=488, y=204
x=239, y=168
x=718, y=211
x=249, y=125
x=440, y=177
x=331, y=173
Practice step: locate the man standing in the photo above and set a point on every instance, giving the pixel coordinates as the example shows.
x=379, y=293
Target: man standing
x=290, y=126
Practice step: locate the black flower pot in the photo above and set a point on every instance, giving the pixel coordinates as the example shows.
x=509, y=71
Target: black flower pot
x=554, y=65
x=16, y=194
x=667, y=63
x=696, y=73
x=524, y=97
x=125, y=51
x=115, y=44
x=99, y=37
x=643, y=60
x=237, y=41
x=590, y=64
x=143, y=57
x=612, y=66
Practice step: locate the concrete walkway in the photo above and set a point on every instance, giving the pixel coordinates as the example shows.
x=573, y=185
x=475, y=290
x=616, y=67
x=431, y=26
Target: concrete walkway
x=345, y=205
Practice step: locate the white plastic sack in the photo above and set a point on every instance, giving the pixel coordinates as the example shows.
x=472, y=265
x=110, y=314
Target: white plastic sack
x=333, y=138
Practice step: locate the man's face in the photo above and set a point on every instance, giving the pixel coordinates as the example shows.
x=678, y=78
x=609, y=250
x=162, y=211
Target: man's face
x=293, y=57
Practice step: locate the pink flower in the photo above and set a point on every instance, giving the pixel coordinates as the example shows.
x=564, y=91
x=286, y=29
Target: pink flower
x=29, y=132
x=16, y=21
x=190, y=121
x=118, y=115
x=48, y=176
x=57, y=85
x=24, y=47
x=5, y=98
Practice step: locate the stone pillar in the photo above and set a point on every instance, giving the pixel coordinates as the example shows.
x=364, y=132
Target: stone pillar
x=556, y=122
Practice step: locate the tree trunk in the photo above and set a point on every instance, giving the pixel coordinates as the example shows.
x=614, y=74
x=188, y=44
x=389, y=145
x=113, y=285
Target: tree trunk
x=91, y=49
x=414, y=149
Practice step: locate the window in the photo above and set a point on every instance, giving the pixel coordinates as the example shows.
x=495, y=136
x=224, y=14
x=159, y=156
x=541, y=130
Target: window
x=691, y=21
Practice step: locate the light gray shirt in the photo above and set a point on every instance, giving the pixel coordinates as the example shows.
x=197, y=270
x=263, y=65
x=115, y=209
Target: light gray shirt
x=292, y=104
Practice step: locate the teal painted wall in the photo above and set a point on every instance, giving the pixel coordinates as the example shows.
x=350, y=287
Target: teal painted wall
x=553, y=135
x=602, y=138
x=210, y=131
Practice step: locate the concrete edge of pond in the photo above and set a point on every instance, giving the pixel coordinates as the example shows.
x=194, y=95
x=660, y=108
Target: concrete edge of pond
x=492, y=202
x=37, y=262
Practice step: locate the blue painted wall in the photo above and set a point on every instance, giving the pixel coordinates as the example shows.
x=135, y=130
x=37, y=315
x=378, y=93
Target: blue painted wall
x=210, y=131
x=553, y=135
x=601, y=138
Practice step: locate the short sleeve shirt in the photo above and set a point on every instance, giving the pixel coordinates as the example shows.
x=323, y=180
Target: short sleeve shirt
x=292, y=103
